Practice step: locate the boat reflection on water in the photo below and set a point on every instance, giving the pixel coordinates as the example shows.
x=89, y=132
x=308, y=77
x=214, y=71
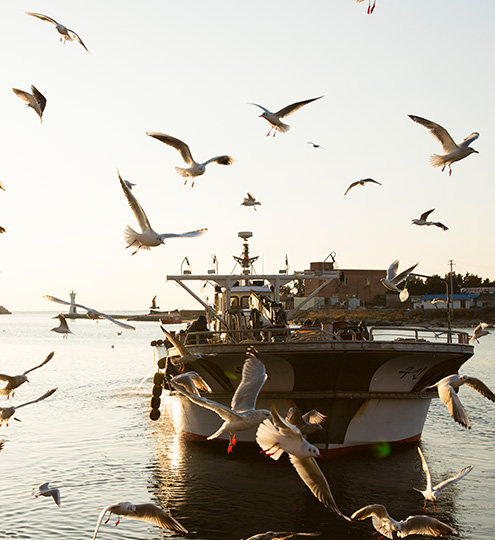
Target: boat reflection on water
x=220, y=496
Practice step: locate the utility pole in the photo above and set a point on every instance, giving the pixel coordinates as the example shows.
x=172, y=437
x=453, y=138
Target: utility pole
x=450, y=306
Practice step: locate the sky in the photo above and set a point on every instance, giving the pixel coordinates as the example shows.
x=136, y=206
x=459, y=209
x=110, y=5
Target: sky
x=190, y=69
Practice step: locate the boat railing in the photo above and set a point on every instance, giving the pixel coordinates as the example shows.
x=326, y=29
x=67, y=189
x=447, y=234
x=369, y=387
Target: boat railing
x=321, y=333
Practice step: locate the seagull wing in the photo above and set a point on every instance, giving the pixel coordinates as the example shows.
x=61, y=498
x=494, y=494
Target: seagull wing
x=4, y=377
x=354, y=184
x=449, y=396
x=469, y=139
x=426, y=469
x=101, y=516
x=251, y=197
x=253, y=378
x=295, y=417
x=425, y=525
x=175, y=143
x=41, y=398
x=40, y=98
x=480, y=387
x=175, y=342
x=135, y=207
x=311, y=475
x=367, y=180
x=47, y=359
x=42, y=17
x=199, y=382
x=454, y=479
x=260, y=106
x=314, y=417
x=392, y=270
x=441, y=225
x=377, y=510
x=65, y=303
x=25, y=96
x=286, y=111
x=156, y=515
x=425, y=215
x=73, y=35
x=221, y=160
x=440, y=133
x=399, y=278
x=189, y=234
x=115, y=321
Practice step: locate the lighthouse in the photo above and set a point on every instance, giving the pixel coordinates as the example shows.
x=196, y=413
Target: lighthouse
x=72, y=309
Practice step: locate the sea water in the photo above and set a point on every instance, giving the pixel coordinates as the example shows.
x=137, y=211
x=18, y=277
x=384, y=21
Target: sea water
x=93, y=439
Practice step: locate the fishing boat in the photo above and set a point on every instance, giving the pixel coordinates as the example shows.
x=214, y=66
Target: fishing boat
x=370, y=383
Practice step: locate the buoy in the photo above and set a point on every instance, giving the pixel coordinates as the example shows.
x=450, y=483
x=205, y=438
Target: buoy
x=157, y=390
x=155, y=402
x=162, y=363
x=158, y=378
x=154, y=414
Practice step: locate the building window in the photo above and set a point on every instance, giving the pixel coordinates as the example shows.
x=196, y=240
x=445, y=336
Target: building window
x=346, y=281
x=367, y=281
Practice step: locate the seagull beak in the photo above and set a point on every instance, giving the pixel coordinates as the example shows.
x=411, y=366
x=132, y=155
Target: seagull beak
x=475, y=151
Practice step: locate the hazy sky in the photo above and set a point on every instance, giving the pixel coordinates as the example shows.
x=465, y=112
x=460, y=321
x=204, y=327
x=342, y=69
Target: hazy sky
x=190, y=69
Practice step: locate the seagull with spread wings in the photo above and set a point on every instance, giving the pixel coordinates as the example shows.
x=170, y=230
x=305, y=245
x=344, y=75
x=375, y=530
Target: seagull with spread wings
x=447, y=391
x=432, y=493
x=63, y=327
x=479, y=331
x=44, y=491
x=14, y=381
x=143, y=512
x=391, y=528
x=147, y=238
x=250, y=200
x=36, y=100
x=194, y=168
x=192, y=382
x=185, y=356
x=274, y=118
x=65, y=33
x=6, y=413
x=242, y=414
x=453, y=152
x=393, y=279
x=423, y=220
x=91, y=312
x=307, y=423
x=361, y=183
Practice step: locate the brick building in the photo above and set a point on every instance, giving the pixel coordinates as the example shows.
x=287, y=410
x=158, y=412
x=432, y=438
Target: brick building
x=363, y=285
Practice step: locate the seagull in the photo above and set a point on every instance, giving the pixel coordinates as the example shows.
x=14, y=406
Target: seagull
x=2, y=230
x=393, y=279
x=7, y=412
x=389, y=527
x=14, y=381
x=275, y=436
x=370, y=7
x=36, y=100
x=447, y=391
x=192, y=382
x=316, y=145
x=194, y=169
x=186, y=357
x=1, y=445
x=44, y=491
x=453, y=152
x=250, y=200
x=271, y=535
x=361, y=183
x=423, y=220
x=63, y=327
x=147, y=238
x=273, y=118
x=153, y=303
x=478, y=332
x=436, y=301
x=91, y=312
x=306, y=423
x=130, y=185
x=65, y=33
x=432, y=493
x=242, y=414
x=142, y=512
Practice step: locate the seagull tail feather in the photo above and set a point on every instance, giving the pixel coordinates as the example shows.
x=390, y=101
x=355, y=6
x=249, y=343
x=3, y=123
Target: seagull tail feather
x=183, y=172
x=267, y=437
x=437, y=161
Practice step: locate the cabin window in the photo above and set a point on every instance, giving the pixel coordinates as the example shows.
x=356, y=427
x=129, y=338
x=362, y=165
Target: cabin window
x=367, y=281
x=234, y=303
x=245, y=302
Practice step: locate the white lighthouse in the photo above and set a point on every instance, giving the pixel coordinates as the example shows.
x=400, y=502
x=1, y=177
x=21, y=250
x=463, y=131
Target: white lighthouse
x=72, y=309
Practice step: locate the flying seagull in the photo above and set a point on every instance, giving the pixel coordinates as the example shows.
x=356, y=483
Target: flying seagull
x=316, y=145
x=389, y=527
x=275, y=436
x=36, y=100
x=242, y=414
x=44, y=491
x=63, y=327
x=453, y=152
x=153, y=303
x=194, y=169
x=393, y=279
x=2, y=230
x=306, y=423
x=14, y=381
x=250, y=200
x=478, y=332
x=185, y=356
x=432, y=493
x=7, y=412
x=91, y=312
x=370, y=7
x=192, y=382
x=65, y=33
x=147, y=238
x=142, y=512
x=273, y=118
x=361, y=183
x=423, y=220
x=447, y=391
